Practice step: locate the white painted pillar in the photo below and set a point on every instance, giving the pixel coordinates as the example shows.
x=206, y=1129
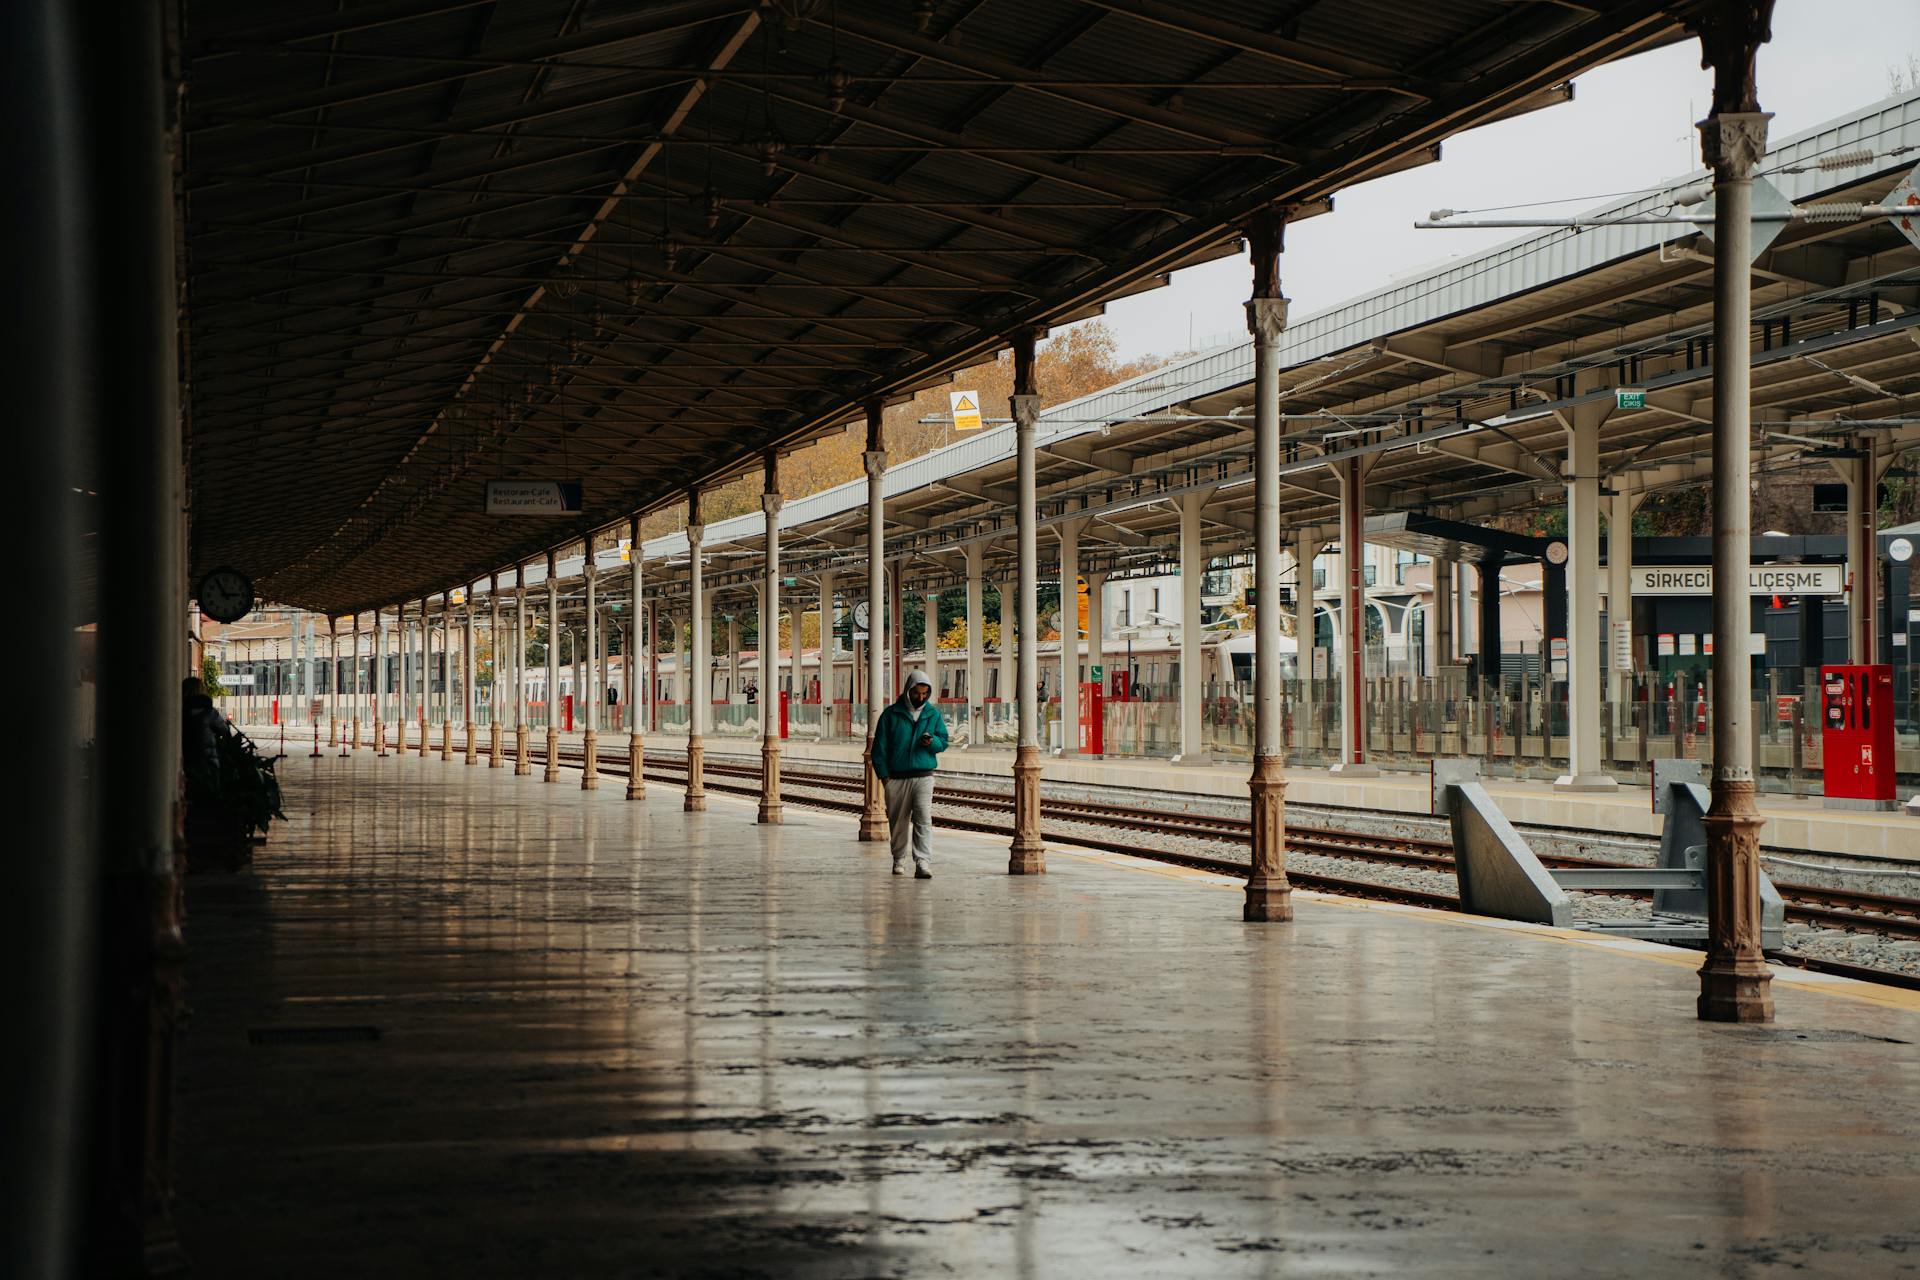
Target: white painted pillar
x=1353, y=616
x=333, y=680
x=552, y=773
x=1009, y=672
x=520, y=647
x=976, y=554
x=1306, y=546
x=1586, y=767
x=466, y=679
x=1620, y=598
x=1069, y=532
x=682, y=669
x=736, y=691
x=826, y=655
x=770, y=503
x=930, y=628
x=353, y=696
x=403, y=688
x=609, y=627
x=795, y=676
x=1097, y=640
x=1193, y=564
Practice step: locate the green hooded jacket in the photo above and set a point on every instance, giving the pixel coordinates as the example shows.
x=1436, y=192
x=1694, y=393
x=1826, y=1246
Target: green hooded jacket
x=897, y=752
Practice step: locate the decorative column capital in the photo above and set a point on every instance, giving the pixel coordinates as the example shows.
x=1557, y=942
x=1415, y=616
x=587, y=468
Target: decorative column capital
x=875, y=461
x=1266, y=318
x=1732, y=142
x=1026, y=409
x=588, y=569
x=695, y=532
x=770, y=503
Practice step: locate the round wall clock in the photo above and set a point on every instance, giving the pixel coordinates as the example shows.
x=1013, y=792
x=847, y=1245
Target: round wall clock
x=225, y=595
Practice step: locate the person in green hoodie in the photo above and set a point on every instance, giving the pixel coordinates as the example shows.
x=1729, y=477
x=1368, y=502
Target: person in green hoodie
x=907, y=742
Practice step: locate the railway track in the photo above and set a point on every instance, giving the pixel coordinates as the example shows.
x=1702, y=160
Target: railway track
x=1831, y=908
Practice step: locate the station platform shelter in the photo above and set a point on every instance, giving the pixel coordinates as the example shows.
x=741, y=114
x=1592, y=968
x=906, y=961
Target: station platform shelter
x=458, y=1021
x=455, y=324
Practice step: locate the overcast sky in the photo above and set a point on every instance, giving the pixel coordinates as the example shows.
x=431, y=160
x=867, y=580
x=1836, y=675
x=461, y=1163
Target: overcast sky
x=1629, y=126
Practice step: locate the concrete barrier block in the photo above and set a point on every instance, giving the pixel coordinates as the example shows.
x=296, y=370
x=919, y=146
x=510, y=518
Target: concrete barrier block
x=1498, y=874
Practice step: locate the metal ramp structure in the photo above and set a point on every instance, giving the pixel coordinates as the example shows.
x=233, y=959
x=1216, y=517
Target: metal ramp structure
x=1501, y=876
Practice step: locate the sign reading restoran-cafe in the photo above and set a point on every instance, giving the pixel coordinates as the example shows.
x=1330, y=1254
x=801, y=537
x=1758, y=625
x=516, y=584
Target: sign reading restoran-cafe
x=1762, y=580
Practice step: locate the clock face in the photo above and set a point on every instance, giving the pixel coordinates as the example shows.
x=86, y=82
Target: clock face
x=860, y=615
x=226, y=595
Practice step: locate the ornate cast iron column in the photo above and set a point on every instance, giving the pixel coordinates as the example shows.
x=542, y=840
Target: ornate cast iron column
x=770, y=807
x=1734, y=982
x=873, y=811
x=1268, y=895
x=1028, y=853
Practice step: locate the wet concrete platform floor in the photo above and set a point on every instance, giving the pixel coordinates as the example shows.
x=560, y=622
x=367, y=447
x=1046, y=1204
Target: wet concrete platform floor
x=614, y=1039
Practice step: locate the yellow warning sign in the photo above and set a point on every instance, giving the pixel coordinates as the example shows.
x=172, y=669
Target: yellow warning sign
x=966, y=410
x=626, y=551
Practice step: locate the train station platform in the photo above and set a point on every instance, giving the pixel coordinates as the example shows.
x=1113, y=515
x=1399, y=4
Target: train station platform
x=454, y=1021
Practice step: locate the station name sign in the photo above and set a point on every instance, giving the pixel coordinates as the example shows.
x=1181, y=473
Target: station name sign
x=1762, y=580
x=533, y=497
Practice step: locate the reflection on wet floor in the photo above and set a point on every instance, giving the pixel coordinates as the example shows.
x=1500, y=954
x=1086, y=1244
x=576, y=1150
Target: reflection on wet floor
x=616, y=1039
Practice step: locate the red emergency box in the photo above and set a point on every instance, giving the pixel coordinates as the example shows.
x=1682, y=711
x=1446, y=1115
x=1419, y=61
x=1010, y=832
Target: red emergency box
x=1856, y=736
x=1093, y=719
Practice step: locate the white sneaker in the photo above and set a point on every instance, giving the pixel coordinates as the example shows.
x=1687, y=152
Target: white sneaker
x=899, y=868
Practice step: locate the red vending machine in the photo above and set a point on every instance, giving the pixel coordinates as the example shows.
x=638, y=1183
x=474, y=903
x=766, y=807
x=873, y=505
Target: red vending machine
x=1856, y=726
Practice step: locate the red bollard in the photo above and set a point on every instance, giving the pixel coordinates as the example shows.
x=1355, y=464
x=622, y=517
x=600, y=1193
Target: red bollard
x=315, y=753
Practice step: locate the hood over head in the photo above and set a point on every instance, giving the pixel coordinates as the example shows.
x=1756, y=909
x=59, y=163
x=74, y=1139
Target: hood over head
x=914, y=677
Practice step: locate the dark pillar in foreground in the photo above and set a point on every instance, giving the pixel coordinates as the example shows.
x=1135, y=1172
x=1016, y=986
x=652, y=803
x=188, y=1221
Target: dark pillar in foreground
x=1735, y=985
x=128, y=275
x=1268, y=895
x=52, y=925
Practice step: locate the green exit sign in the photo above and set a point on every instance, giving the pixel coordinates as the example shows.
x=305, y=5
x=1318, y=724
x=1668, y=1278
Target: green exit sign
x=1624, y=399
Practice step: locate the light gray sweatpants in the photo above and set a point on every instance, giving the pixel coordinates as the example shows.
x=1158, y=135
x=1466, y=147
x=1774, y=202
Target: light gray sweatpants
x=910, y=817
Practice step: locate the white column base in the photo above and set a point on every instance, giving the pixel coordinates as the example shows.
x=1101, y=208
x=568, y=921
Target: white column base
x=1585, y=782
x=1913, y=805
x=1347, y=769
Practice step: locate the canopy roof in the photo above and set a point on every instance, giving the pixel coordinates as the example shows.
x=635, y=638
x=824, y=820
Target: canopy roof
x=431, y=243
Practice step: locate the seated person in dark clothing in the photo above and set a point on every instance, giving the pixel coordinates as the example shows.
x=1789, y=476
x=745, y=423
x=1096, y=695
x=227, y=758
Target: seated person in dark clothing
x=201, y=728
